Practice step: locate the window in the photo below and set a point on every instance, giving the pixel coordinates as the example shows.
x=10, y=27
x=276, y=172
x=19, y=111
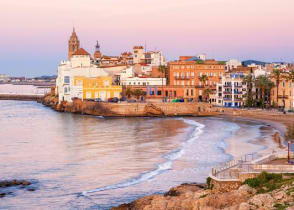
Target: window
x=106, y=83
x=175, y=93
x=183, y=75
x=192, y=74
x=187, y=92
x=138, y=83
x=192, y=92
x=175, y=82
x=188, y=75
x=159, y=92
x=192, y=82
x=66, y=79
x=183, y=83
x=166, y=93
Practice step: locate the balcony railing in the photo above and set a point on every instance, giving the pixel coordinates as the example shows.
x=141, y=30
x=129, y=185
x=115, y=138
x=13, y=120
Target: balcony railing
x=283, y=97
x=182, y=78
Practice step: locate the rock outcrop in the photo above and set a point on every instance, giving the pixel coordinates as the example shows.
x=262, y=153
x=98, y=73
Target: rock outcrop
x=195, y=197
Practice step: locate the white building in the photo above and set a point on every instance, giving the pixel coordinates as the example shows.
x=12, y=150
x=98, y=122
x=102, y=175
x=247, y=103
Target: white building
x=4, y=78
x=139, y=55
x=79, y=65
x=232, y=64
x=142, y=81
x=231, y=91
x=155, y=58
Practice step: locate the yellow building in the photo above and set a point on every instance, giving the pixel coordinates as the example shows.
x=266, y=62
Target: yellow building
x=285, y=97
x=98, y=87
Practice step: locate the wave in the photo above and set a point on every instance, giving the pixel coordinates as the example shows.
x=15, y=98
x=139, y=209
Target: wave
x=162, y=167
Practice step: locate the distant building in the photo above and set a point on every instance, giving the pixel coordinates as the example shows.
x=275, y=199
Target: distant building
x=4, y=77
x=232, y=64
x=97, y=53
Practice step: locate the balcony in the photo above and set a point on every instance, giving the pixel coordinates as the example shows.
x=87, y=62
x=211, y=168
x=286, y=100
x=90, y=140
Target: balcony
x=283, y=97
x=227, y=85
x=227, y=92
x=227, y=99
x=182, y=78
x=238, y=93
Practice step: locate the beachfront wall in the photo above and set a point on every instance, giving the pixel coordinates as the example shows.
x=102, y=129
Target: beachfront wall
x=170, y=92
x=130, y=109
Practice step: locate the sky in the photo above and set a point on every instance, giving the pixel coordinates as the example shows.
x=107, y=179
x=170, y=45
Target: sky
x=34, y=33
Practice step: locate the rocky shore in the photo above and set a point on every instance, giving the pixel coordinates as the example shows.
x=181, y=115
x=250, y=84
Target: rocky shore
x=279, y=194
x=129, y=109
x=7, y=185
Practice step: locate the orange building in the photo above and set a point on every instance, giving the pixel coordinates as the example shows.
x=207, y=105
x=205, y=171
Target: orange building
x=186, y=74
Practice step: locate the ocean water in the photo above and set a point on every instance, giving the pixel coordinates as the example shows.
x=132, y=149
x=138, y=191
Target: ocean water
x=88, y=162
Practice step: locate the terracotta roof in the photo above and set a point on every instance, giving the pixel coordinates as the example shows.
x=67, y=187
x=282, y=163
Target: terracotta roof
x=81, y=51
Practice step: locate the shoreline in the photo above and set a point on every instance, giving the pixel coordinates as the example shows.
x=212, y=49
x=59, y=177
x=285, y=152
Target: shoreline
x=268, y=141
x=176, y=192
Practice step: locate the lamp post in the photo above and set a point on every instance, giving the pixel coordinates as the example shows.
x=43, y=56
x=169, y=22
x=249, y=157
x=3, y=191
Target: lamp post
x=289, y=151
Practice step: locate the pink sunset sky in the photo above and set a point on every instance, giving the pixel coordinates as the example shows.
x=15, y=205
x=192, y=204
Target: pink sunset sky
x=34, y=33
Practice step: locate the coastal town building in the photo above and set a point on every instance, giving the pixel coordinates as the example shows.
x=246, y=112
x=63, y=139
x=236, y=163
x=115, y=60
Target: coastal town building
x=73, y=44
x=232, y=64
x=94, y=88
x=283, y=97
x=231, y=91
x=78, y=65
x=4, y=78
x=190, y=74
x=142, y=81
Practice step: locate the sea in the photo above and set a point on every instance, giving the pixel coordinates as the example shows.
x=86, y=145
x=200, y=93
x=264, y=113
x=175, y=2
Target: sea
x=91, y=162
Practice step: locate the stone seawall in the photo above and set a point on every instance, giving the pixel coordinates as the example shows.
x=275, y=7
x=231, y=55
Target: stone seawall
x=130, y=109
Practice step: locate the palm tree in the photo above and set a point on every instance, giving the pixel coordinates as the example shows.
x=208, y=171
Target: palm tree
x=129, y=92
x=206, y=93
x=249, y=96
x=264, y=84
x=162, y=69
x=203, y=78
x=276, y=75
x=137, y=93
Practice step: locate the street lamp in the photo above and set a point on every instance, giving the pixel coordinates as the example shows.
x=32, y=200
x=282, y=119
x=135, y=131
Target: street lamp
x=289, y=151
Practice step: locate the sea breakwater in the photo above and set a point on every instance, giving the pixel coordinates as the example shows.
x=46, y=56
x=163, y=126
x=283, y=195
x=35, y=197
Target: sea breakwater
x=130, y=109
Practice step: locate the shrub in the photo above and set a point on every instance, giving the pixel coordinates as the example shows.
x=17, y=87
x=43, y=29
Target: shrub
x=265, y=182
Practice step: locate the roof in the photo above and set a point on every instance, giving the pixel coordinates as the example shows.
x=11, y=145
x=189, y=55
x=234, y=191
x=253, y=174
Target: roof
x=81, y=51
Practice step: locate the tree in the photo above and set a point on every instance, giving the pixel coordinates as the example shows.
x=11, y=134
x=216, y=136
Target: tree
x=129, y=92
x=276, y=75
x=163, y=70
x=249, y=80
x=203, y=78
x=264, y=84
x=137, y=93
x=206, y=93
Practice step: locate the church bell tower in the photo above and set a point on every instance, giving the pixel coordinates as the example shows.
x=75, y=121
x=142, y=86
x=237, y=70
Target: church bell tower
x=73, y=44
